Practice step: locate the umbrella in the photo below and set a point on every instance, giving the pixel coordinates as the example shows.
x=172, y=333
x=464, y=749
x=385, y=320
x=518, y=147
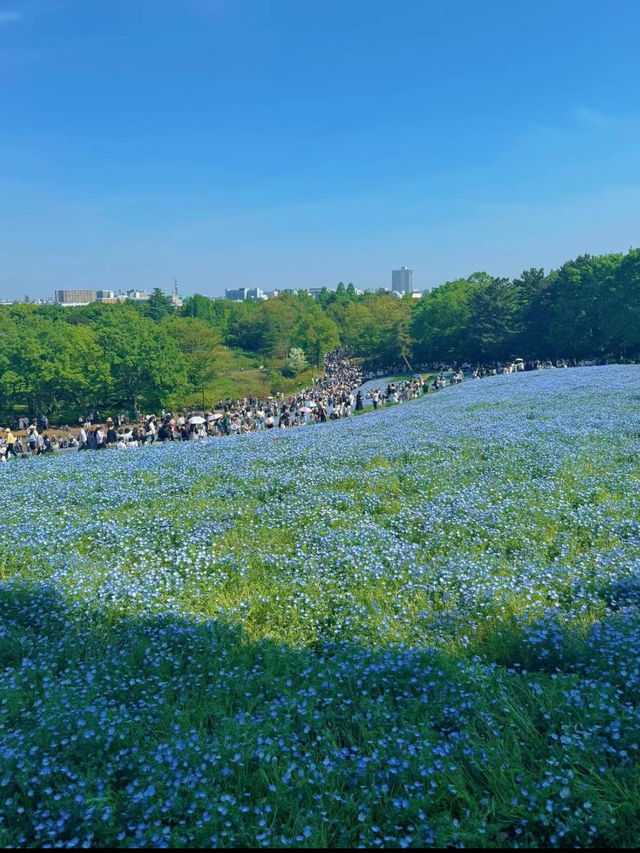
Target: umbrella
x=196, y=419
x=304, y=409
x=217, y=417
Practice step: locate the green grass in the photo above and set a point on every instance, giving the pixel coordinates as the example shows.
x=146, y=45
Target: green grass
x=239, y=375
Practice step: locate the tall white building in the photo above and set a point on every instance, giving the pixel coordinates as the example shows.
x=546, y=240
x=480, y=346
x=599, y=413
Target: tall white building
x=402, y=280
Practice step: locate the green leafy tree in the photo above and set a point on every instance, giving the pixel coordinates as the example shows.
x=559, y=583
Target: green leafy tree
x=341, y=293
x=158, y=305
x=621, y=308
x=357, y=324
x=315, y=332
x=296, y=360
x=49, y=362
x=146, y=368
x=198, y=342
x=324, y=297
x=578, y=296
x=245, y=328
x=393, y=320
x=215, y=312
x=440, y=323
x=495, y=313
x=278, y=319
x=534, y=312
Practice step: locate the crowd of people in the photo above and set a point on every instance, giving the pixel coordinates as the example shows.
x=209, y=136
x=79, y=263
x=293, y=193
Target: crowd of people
x=337, y=395
x=479, y=370
x=334, y=396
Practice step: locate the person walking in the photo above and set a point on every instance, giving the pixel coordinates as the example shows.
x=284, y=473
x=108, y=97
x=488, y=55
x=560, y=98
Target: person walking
x=82, y=439
x=11, y=442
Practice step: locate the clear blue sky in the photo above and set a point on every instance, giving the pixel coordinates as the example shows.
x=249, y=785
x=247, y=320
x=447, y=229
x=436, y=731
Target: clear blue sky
x=298, y=143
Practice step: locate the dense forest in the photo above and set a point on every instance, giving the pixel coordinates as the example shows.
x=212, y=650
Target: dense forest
x=149, y=355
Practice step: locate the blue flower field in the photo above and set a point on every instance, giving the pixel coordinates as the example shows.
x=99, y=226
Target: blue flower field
x=419, y=627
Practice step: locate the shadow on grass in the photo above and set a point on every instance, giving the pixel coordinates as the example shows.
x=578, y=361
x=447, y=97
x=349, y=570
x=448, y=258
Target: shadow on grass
x=162, y=731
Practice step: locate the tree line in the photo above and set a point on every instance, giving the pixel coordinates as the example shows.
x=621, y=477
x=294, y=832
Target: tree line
x=588, y=308
x=150, y=354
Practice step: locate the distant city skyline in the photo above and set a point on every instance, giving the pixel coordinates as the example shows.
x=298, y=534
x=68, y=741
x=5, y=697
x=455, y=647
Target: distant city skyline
x=139, y=144
x=84, y=296
x=219, y=291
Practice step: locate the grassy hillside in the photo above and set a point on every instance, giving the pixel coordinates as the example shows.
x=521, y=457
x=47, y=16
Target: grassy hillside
x=418, y=627
x=238, y=375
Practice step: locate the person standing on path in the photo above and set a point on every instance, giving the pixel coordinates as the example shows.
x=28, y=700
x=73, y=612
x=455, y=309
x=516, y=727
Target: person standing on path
x=32, y=439
x=11, y=442
x=112, y=433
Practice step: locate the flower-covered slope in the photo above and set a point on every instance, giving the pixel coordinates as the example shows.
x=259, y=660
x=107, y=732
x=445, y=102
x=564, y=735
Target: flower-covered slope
x=414, y=627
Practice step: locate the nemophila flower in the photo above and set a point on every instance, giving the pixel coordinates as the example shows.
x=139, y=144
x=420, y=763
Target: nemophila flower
x=414, y=628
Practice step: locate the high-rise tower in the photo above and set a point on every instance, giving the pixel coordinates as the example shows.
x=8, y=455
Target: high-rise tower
x=402, y=280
